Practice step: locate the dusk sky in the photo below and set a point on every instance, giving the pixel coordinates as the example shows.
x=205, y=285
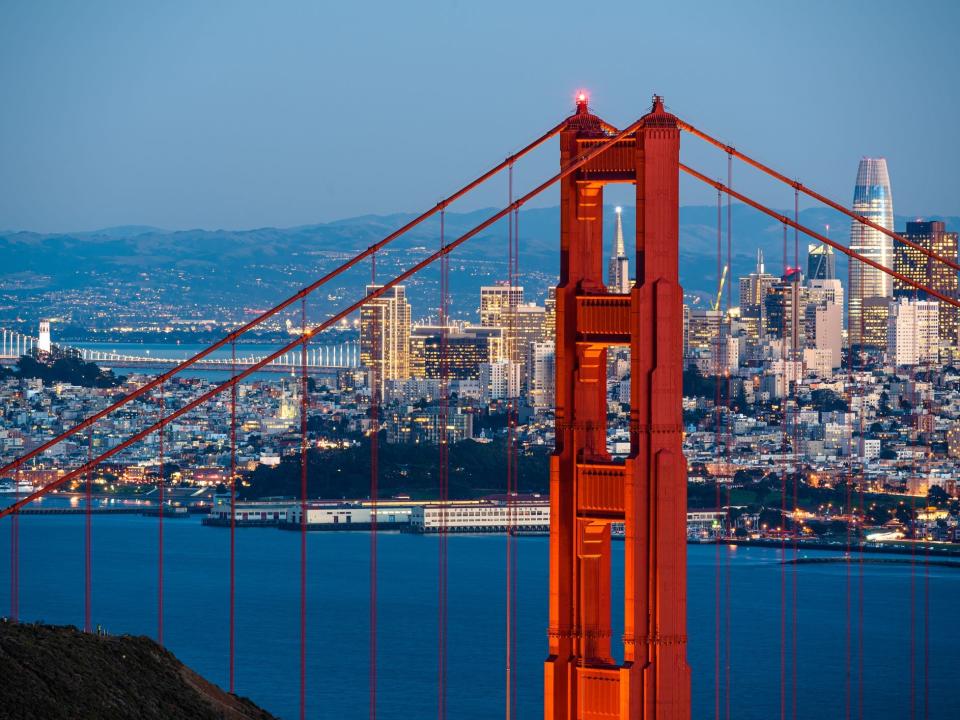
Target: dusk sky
x=246, y=114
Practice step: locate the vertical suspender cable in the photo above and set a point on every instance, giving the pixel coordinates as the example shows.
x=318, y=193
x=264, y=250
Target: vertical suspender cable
x=374, y=495
x=716, y=481
x=303, y=513
x=512, y=484
x=88, y=539
x=859, y=490
x=783, y=504
x=512, y=348
x=795, y=443
x=15, y=552
x=727, y=638
x=926, y=636
x=913, y=606
x=515, y=465
x=160, y=510
x=233, y=516
x=443, y=479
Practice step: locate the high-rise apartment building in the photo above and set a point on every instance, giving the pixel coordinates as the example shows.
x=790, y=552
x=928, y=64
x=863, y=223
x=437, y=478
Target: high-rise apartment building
x=498, y=308
x=703, y=330
x=467, y=347
x=618, y=268
x=913, y=335
x=872, y=198
x=550, y=315
x=496, y=301
x=872, y=328
x=385, y=336
x=542, y=376
x=785, y=308
x=932, y=236
x=499, y=380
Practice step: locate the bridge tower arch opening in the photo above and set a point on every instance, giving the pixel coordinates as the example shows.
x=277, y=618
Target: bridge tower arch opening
x=589, y=492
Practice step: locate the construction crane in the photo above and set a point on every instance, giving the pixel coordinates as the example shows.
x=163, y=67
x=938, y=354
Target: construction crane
x=723, y=278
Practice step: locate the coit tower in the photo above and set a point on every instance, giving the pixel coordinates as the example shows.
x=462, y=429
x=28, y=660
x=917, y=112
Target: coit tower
x=872, y=199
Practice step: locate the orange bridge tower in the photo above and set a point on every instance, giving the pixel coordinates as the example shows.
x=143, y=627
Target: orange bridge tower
x=588, y=492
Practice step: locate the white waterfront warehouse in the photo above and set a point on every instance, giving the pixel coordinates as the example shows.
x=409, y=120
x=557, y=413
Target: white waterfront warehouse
x=519, y=514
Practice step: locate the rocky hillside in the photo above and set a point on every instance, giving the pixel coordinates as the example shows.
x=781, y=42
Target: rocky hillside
x=49, y=672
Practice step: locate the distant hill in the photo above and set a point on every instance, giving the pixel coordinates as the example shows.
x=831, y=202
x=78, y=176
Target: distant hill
x=263, y=265
x=59, y=672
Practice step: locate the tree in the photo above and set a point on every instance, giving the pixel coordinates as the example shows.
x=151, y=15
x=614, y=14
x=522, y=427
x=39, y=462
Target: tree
x=936, y=495
x=828, y=401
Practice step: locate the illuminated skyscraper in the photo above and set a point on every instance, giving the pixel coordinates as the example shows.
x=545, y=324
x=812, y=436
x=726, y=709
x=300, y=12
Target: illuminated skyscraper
x=498, y=308
x=753, y=291
x=385, y=335
x=550, y=315
x=496, y=301
x=618, y=270
x=872, y=199
x=922, y=269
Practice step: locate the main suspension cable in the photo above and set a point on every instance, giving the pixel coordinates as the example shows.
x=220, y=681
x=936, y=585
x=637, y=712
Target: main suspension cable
x=163, y=377
x=574, y=165
x=801, y=188
x=819, y=236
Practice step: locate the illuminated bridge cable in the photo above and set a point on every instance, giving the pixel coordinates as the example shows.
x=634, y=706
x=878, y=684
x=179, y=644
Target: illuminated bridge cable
x=304, y=292
x=375, y=293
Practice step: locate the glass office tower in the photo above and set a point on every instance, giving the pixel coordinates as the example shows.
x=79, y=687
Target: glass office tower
x=871, y=198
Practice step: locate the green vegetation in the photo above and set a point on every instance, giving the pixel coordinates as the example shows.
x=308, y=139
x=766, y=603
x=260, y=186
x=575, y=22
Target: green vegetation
x=476, y=469
x=767, y=494
x=70, y=370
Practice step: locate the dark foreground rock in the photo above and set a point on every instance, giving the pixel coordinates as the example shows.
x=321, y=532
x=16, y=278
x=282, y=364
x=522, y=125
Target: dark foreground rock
x=54, y=672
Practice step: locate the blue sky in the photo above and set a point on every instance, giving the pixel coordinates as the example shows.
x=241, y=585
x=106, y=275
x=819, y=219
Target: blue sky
x=241, y=114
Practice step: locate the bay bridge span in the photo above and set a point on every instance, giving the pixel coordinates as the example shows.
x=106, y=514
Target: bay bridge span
x=340, y=356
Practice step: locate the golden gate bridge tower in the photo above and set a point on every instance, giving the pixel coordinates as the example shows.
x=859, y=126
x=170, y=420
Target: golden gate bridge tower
x=588, y=493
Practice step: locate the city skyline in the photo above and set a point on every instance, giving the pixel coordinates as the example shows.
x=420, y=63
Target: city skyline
x=568, y=385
